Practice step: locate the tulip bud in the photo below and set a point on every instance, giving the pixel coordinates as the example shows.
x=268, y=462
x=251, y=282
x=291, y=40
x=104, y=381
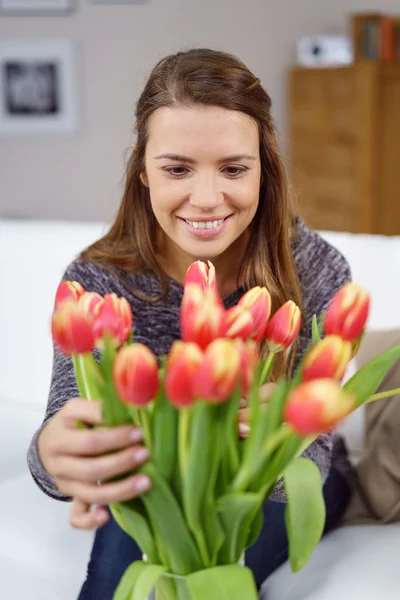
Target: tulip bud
x=249, y=359
x=219, y=373
x=135, y=374
x=72, y=328
x=238, y=323
x=315, y=406
x=201, y=274
x=347, y=313
x=90, y=302
x=68, y=290
x=283, y=327
x=114, y=317
x=182, y=364
x=202, y=316
x=258, y=301
x=327, y=359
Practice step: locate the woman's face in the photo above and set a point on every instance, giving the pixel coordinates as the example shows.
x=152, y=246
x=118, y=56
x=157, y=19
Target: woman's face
x=203, y=171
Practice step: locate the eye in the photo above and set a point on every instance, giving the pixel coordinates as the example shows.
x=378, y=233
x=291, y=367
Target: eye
x=177, y=171
x=234, y=171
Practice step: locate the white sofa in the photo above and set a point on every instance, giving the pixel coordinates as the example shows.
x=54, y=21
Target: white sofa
x=41, y=556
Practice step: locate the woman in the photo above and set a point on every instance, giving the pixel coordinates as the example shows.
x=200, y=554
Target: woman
x=205, y=181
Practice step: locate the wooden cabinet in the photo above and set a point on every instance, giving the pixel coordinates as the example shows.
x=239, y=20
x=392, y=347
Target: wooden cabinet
x=344, y=146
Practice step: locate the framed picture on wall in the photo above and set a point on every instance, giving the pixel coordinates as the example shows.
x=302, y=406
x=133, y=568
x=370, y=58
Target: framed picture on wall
x=38, y=91
x=32, y=7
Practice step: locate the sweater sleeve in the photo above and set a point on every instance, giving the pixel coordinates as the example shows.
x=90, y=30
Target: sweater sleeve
x=63, y=385
x=322, y=270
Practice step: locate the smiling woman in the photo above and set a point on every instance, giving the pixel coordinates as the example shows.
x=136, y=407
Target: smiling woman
x=204, y=181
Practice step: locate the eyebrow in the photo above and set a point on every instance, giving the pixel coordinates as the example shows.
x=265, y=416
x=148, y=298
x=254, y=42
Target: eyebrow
x=187, y=159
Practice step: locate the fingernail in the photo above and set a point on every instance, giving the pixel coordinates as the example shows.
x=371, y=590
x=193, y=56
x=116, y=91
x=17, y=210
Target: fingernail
x=141, y=454
x=244, y=428
x=136, y=435
x=100, y=516
x=141, y=484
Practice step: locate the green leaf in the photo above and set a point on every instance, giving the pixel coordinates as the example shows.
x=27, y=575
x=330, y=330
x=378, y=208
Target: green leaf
x=233, y=509
x=165, y=425
x=367, y=379
x=305, y=510
x=168, y=523
x=131, y=518
x=255, y=529
x=229, y=582
x=138, y=581
x=197, y=470
x=114, y=411
x=316, y=335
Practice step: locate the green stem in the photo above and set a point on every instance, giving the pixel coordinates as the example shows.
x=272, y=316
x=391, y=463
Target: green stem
x=145, y=420
x=183, y=434
x=85, y=381
x=267, y=368
x=385, y=394
x=276, y=439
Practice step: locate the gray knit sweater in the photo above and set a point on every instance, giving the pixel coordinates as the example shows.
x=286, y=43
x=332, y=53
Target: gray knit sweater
x=322, y=270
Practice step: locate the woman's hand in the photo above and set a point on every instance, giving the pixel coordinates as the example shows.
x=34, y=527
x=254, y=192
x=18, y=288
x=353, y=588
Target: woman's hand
x=244, y=412
x=79, y=459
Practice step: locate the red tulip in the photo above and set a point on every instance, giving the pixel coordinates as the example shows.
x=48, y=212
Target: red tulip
x=283, y=327
x=219, y=374
x=91, y=302
x=347, y=313
x=238, y=323
x=327, y=359
x=68, y=290
x=135, y=374
x=201, y=274
x=182, y=364
x=315, y=406
x=202, y=316
x=258, y=301
x=114, y=317
x=72, y=328
x=249, y=360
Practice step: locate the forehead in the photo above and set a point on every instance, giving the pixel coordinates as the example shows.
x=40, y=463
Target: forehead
x=191, y=129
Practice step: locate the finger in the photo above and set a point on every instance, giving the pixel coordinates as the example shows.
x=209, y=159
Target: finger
x=117, y=491
x=82, y=517
x=265, y=391
x=92, y=442
x=244, y=430
x=91, y=470
x=79, y=409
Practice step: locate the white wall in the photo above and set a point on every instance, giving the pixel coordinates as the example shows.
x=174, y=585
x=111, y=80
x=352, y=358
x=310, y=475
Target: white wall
x=79, y=176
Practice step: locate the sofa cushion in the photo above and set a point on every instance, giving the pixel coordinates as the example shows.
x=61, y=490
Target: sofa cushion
x=376, y=497
x=357, y=562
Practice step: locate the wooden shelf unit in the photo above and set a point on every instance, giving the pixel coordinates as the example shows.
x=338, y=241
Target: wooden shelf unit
x=344, y=146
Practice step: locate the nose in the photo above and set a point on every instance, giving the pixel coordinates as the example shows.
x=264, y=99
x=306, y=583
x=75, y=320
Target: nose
x=205, y=195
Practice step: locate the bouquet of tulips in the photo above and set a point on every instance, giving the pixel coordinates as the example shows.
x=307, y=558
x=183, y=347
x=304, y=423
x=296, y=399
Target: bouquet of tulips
x=209, y=486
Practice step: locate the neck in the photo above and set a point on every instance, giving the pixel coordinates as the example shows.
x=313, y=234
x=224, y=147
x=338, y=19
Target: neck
x=176, y=262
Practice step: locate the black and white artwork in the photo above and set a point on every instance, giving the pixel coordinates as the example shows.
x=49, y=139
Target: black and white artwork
x=37, y=87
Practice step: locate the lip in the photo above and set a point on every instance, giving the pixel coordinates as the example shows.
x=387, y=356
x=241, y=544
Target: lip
x=205, y=233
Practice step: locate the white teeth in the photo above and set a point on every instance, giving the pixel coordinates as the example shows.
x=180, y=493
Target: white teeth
x=205, y=224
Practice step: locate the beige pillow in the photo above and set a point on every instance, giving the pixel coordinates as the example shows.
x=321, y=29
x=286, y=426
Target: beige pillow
x=376, y=496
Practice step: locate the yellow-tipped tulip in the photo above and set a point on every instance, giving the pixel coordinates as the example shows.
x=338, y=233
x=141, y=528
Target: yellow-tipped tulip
x=347, y=313
x=238, y=323
x=68, y=290
x=135, y=373
x=183, y=361
x=219, y=373
x=201, y=274
x=258, y=301
x=283, y=327
x=72, y=328
x=327, y=359
x=114, y=317
x=202, y=316
x=91, y=302
x=316, y=406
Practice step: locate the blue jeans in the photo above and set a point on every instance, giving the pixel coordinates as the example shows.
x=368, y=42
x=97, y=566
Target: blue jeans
x=113, y=550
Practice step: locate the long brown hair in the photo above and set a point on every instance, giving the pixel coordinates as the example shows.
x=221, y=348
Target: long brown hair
x=208, y=77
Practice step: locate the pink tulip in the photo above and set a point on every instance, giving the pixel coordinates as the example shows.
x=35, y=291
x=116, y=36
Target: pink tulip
x=135, y=373
x=183, y=361
x=202, y=317
x=258, y=301
x=347, y=313
x=327, y=359
x=219, y=373
x=201, y=274
x=72, y=328
x=68, y=290
x=114, y=318
x=283, y=327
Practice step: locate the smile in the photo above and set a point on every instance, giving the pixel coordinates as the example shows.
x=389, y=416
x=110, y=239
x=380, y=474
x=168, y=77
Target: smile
x=205, y=224
x=205, y=229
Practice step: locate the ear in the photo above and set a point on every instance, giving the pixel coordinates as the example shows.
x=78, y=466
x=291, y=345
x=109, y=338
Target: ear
x=144, y=179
